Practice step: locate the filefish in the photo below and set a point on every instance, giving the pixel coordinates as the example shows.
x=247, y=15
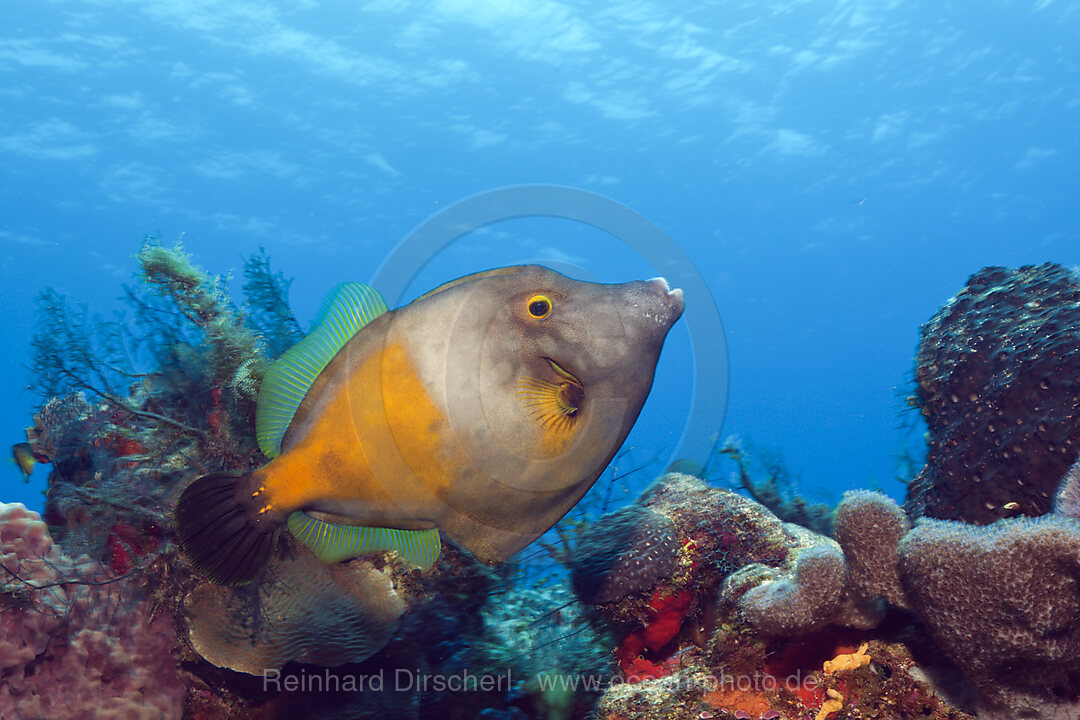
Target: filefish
x=484, y=409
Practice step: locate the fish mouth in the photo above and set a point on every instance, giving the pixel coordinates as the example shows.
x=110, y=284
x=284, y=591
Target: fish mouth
x=674, y=294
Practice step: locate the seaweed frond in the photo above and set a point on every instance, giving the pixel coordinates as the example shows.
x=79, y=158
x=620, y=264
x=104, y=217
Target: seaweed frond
x=199, y=298
x=777, y=490
x=72, y=351
x=267, y=310
x=184, y=358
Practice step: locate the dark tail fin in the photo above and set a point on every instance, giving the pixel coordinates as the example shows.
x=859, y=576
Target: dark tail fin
x=221, y=530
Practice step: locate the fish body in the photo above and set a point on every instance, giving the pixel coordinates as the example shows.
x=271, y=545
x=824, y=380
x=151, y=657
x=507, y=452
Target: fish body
x=23, y=456
x=484, y=409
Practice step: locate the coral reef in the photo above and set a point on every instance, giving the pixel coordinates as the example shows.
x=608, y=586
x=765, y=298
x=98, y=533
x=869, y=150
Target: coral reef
x=1000, y=601
x=883, y=684
x=692, y=601
x=869, y=526
x=299, y=610
x=711, y=529
x=433, y=643
x=1003, y=602
x=127, y=426
x=796, y=598
x=731, y=551
x=124, y=437
x=74, y=641
x=997, y=372
x=541, y=632
x=625, y=553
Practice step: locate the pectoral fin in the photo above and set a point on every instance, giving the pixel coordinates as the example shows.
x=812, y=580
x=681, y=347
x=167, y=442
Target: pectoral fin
x=555, y=405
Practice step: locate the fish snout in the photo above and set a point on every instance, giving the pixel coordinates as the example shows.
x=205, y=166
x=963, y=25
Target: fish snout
x=670, y=299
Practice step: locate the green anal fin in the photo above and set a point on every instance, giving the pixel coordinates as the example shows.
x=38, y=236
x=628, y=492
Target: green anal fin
x=333, y=543
x=348, y=308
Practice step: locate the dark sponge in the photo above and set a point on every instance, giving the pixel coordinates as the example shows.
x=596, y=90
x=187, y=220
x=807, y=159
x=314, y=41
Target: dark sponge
x=998, y=373
x=622, y=554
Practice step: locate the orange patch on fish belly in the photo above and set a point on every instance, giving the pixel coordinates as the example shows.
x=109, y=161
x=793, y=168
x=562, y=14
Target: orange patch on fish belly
x=378, y=442
x=553, y=443
x=421, y=431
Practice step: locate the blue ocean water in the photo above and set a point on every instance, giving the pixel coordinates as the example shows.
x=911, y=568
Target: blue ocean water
x=833, y=169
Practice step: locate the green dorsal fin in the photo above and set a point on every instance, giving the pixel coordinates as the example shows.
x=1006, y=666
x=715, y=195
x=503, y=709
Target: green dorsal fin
x=333, y=543
x=348, y=308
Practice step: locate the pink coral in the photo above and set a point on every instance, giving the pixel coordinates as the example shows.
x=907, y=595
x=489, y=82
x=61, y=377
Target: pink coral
x=71, y=644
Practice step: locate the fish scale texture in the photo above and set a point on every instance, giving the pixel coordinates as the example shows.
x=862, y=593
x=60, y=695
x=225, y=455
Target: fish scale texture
x=998, y=373
x=1003, y=603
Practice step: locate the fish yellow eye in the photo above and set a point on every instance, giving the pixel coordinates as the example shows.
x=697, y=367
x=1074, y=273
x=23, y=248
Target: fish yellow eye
x=539, y=306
